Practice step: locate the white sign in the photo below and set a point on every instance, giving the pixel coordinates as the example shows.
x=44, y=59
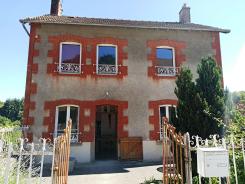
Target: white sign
x=212, y=162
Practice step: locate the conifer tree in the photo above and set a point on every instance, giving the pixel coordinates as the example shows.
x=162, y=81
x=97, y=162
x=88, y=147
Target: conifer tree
x=209, y=87
x=185, y=92
x=200, y=108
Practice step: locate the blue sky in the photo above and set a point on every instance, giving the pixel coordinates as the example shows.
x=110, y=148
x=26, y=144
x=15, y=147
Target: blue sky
x=220, y=13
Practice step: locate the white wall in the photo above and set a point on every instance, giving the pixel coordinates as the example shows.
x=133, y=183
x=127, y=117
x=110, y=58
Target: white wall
x=82, y=152
x=152, y=151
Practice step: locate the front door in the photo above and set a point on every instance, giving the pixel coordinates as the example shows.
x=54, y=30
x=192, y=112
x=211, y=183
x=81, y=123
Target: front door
x=106, y=132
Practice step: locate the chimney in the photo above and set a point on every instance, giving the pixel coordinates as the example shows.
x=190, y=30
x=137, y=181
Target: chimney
x=185, y=15
x=56, y=8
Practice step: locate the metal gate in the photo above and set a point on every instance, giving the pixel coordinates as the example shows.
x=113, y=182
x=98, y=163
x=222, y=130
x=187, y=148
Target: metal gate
x=61, y=156
x=176, y=156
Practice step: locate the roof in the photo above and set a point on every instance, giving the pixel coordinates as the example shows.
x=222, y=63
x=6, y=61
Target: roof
x=51, y=19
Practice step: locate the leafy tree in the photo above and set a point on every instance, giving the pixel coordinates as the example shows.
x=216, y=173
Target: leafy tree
x=236, y=128
x=5, y=122
x=12, y=109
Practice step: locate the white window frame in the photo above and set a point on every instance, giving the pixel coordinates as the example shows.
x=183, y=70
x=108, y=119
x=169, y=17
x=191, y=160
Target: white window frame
x=167, y=116
x=97, y=58
x=68, y=106
x=60, y=58
x=173, y=51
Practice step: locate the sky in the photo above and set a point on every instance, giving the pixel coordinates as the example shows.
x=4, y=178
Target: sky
x=219, y=13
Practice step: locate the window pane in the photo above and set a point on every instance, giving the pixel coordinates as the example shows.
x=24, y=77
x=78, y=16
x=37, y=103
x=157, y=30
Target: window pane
x=172, y=114
x=61, y=119
x=107, y=55
x=162, y=113
x=74, y=118
x=70, y=53
x=164, y=57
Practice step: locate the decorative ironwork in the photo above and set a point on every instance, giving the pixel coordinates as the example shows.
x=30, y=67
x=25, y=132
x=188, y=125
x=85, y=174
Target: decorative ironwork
x=74, y=136
x=107, y=69
x=166, y=70
x=69, y=68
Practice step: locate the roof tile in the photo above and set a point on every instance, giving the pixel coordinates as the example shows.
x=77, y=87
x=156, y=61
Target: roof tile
x=51, y=19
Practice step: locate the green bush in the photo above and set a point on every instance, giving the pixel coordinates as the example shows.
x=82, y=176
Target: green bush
x=205, y=180
x=5, y=122
x=152, y=180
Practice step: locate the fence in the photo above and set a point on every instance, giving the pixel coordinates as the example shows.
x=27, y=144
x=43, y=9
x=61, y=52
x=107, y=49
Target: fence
x=23, y=162
x=236, y=154
x=177, y=157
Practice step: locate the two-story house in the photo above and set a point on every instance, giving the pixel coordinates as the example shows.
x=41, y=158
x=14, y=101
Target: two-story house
x=114, y=78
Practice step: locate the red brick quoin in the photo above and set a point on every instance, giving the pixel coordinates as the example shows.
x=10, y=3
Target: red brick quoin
x=154, y=119
x=216, y=47
x=179, y=55
x=85, y=120
x=87, y=69
x=31, y=88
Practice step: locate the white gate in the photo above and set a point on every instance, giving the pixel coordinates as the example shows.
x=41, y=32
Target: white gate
x=21, y=161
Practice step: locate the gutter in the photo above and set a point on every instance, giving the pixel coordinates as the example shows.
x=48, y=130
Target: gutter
x=24, y=26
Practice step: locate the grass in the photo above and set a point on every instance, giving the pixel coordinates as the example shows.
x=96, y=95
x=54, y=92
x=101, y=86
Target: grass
x=152, y=180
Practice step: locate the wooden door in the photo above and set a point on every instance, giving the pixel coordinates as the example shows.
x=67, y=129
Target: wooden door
x=131, y=148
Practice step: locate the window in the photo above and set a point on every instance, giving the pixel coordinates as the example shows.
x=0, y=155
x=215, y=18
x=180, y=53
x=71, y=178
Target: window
x=63, y=114
x=70, y=58
x=168, y=111
x=106, y=60
x=165, y=61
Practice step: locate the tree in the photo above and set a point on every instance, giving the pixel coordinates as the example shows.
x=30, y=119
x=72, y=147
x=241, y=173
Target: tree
x=185, y=92
x=12, y=109
x=209, y=87
x=5, y=122
x=200, y=108
x=1, y=104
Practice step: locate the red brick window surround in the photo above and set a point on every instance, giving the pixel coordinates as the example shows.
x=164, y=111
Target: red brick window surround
x=121, y=55
x=89, y=55
x=56, y=53
x=155, y=57
x=154, y=119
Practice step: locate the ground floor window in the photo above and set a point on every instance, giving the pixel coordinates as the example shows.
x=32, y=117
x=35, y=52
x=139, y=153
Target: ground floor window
x=63, y=114
x=168, y=111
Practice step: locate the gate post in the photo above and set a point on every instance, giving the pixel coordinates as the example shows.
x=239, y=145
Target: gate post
x=188, y=168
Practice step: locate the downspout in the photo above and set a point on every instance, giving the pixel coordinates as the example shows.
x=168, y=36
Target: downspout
x=26, y=30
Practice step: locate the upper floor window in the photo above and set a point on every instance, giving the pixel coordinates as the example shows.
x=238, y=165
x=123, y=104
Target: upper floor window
x=168, y=111
x=165, y=61
x=106, y=60
x=63, y=114
x=70, y=58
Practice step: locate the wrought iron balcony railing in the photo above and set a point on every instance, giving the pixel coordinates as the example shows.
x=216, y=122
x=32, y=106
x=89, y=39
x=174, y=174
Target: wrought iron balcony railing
x=106, y=69
x=69, y=68
x=74, y=135
x=166, y=70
